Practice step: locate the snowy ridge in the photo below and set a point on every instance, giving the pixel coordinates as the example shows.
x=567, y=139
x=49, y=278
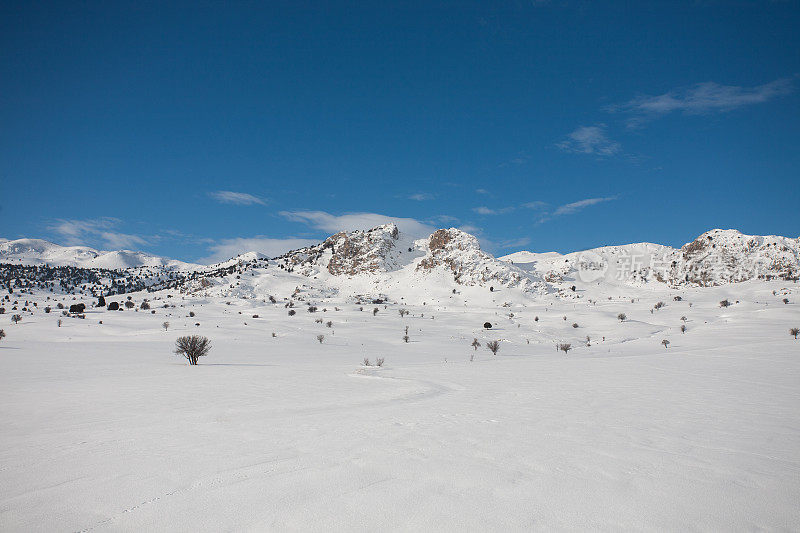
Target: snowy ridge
x=717, y=257
x=33, y=252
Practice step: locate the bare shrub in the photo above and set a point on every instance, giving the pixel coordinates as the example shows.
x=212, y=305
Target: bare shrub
x=475, y=344
x=144, y=306
x=683, y=328
x=724, y=303
x=379, y=361
x=165, y=325
x=292, y=312
x=786, y=300
x=192, y=347
x=366, y=362
x=493, y=346
x=2, y=334
x=375, y=311
x=665, y=342
x=565, y=347
x=329, y=324
x=405, y=338
x=320, y=338
x=622, y=317
x=16, y=318
x=794, y=332
x=129, y=304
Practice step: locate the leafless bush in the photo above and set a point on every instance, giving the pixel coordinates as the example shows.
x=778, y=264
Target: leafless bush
x=144, y=306
x=683, y=328
x=565, y=347
x=665, y=342
x=16, y=318
x=405, y=338
x=379, y=361
x=659, y=305
x=724, y=303
x=165, y=325
x=366, y=362
x=786, y=300
x=320, y=338
x=475, y=344
x=493, y=346
x=329, y=324
x=2, y=334
x=794, y=332
x=192, y=347
x=375, y=311
x=622, y=317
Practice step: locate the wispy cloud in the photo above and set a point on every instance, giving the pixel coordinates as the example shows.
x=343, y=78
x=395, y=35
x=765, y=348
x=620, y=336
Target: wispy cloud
x=227, y=248
x=481, y=191
x=589, y=140
x=237, y=198
x=483, y=210
x=702, y=98
x=421, y=196
x=574, y=207
x=93, y=231
x=352, y=221
x=534, y=205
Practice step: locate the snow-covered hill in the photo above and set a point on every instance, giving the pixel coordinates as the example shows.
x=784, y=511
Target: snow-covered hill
x=41, y=252
x=717, y=257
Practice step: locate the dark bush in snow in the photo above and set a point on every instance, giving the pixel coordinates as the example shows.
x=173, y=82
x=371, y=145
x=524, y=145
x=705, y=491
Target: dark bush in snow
x=129, y=304
x=113, y=306
x=77, y=308
x=192, y=347
x=487, y=325
x=101, y=302
x=493, y=346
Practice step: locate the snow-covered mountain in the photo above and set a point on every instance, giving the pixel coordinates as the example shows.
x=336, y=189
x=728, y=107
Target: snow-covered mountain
x=382, y=261
x=40, y=252
x=716, y=257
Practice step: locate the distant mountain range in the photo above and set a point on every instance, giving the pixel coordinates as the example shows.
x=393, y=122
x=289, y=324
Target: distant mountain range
x=382, y=260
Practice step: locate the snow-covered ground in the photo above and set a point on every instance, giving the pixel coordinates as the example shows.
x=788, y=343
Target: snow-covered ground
x=104, y=428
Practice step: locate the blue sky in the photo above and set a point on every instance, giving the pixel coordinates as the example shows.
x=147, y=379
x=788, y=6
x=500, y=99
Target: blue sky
x=197, y=130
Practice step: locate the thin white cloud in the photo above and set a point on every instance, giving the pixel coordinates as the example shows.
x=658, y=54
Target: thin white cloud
x=421, y=196
x=481, y=191
x=574, y=207
x=514, y=243
x=483, y=210
x=228, y=248
x=703, y=98
x=236, y=198
x=96, y=231
x=352, y=221
x=589, y=140
x=534, y=205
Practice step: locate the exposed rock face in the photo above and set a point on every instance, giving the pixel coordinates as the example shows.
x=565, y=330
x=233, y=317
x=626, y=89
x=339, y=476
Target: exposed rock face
x=357, y=252
x=720, y=256
x=461, y=253
x=361, y=251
